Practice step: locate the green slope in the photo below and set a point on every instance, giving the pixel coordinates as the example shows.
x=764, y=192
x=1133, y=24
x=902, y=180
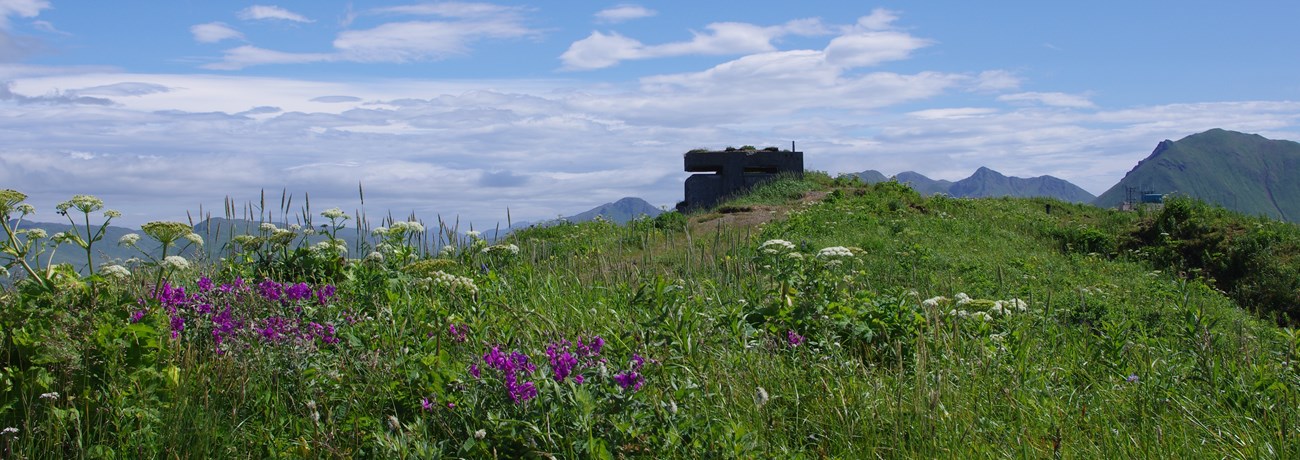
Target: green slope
x=858, y=335
x=1247, y=173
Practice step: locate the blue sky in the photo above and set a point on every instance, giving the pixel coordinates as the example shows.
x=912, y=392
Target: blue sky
x=468, y=108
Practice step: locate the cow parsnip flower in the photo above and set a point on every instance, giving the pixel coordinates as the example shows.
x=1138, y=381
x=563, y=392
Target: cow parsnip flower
x=115, y=271
x=9, y=200
x=176, y=263
x=84, y=203
x=335, y=213
x=166, y=232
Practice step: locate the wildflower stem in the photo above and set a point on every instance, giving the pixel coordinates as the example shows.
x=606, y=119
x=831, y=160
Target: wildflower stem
x=20, y=255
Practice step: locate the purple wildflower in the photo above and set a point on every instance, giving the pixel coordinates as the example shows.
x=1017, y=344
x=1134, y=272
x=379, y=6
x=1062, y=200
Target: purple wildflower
x=473, y=370
x=238, y=286
x=178, y=325
x=137, y=315
x=270, y=290
x=793, y=338
x=171, y=297
x=591, y=349
x=629, y=379
x=632, y=378
x=511, y=366
x=277, y=329
x=223, y=325
x=426, y=404
x=458, y=335
x=323, y=332
x=521, y=392
x=1132, y=378
x=297, y=292
x=562, y=361
x=205, y=284
x=325, y=293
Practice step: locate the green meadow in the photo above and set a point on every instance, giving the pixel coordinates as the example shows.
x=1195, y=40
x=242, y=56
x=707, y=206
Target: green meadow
x=815, y=317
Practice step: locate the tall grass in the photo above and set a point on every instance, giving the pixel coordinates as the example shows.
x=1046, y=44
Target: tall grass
x=747, y=353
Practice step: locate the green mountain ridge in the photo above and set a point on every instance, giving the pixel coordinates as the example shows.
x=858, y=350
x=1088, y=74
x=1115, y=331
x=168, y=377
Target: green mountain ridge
x=987, y=183
x=1243, y=172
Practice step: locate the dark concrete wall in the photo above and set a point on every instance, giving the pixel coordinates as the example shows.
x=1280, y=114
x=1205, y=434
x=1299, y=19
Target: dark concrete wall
x=733, y=172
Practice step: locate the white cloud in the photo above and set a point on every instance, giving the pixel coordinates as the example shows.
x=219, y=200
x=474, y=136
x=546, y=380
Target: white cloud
x=47, y=26
x=14, y=47
x=1050, y=99
x=421, y=40
x=879, y=19
x=20, y=8
x=262, y=12
x=248, y=55
x=996, y=80
x=601, y=50
x=213, y=32
x=871, y=48
x=400, y=41
x=953, y=113
x=623, y=13
x=129, y=88
x=451, y=9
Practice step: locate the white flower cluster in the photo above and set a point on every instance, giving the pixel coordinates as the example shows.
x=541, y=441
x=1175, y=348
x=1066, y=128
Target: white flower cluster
x=502, y=249
x=375, y=257
x=267, y=227
x=195, y=238
x=994, y=308
x=473, y=234
x=37, y=233
x=4, y=272
x=776, y=246
x=334, y=213
x=834, y=252
x=1007, y=307
x=64, y=237
x=115, y=271
x=175, y=263
x=83, y=203
x=447, y=251
x=402, y=228
x=330, y=247
x=26, y=209
x=453, y=282
x=934, y=302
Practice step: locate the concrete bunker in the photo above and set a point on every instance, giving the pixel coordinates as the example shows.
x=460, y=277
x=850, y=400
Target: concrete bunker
x=733, y=171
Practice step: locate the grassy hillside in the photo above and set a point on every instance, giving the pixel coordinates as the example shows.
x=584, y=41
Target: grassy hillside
x=813, y=318
x=1246, y=173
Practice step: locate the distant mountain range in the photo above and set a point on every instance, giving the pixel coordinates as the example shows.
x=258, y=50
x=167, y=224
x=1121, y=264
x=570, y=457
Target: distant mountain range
x=1247, y=173
x=986, y=183
x=622, y=211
